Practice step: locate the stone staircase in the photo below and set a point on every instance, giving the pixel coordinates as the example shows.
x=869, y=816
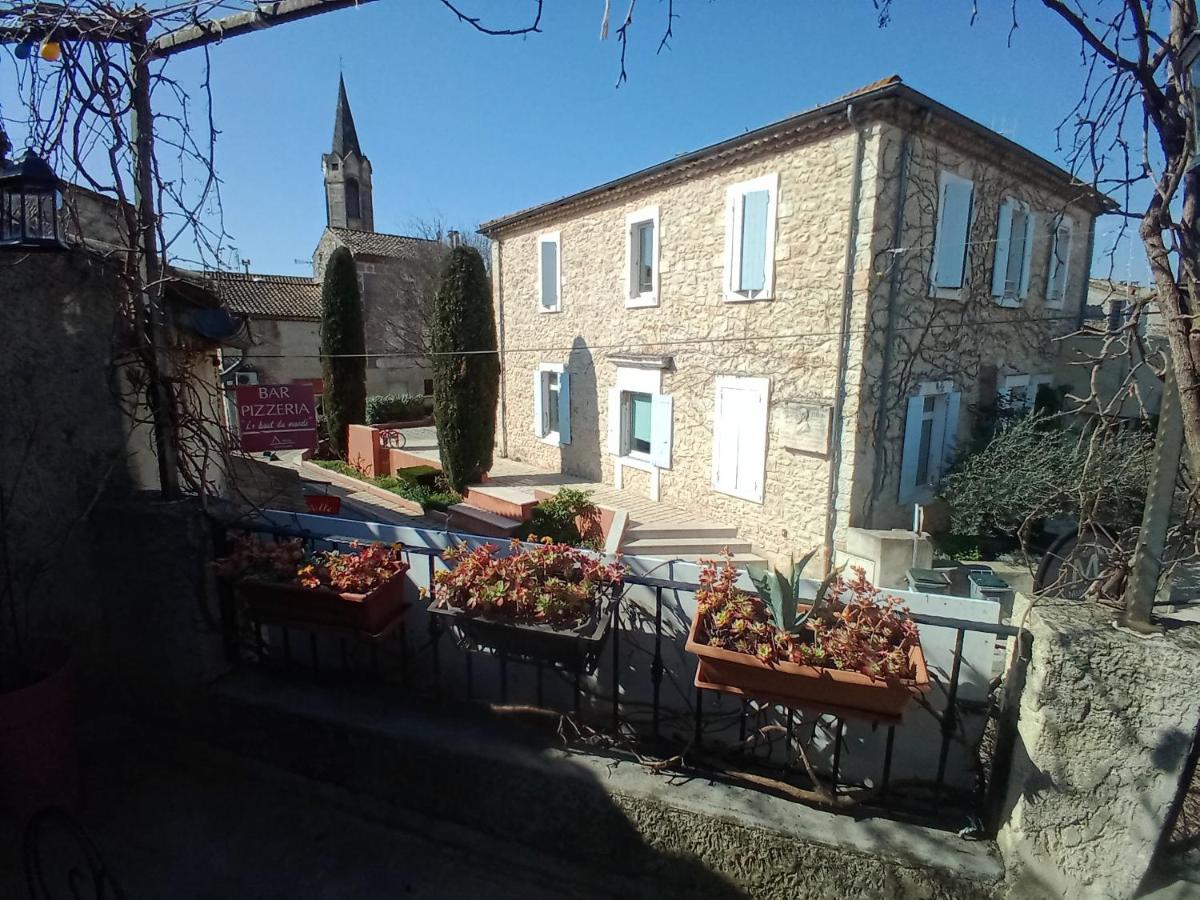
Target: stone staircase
x=503, y=511
x=689, y=542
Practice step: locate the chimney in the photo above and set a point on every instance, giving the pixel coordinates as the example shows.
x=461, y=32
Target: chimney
x=453, y=237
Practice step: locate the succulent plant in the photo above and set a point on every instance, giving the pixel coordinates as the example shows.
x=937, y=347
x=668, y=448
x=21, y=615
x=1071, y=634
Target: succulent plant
x=781, y=594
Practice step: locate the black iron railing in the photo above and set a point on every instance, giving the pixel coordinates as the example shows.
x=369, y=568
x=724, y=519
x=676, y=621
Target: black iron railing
x=697, y=732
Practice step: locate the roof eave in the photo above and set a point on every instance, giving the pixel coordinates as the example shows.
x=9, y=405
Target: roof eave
x=1090, y=197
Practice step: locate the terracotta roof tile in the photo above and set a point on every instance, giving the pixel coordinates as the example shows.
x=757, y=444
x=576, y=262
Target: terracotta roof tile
x=375, y=243
x=265, y=296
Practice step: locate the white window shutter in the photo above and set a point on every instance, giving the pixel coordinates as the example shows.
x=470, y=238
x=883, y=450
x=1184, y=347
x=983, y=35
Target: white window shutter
x=538, y=417
x=912, y=448
x=660, y=430
x=1000, y=263
x=1030, y=219
x=614, y=422
x=950, y=434
x=564, y=408
x=1060, y=257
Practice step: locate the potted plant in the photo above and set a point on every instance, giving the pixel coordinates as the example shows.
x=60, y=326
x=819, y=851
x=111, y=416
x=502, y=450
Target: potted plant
x=361, y=590
x=848, y=650
x=547, y=602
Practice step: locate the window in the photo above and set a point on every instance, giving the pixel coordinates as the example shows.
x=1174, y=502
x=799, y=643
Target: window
x=353, y=203
x=640, y=419
x=955, y=199
x=549, y=275
x=1014, y=248
x=740, y=436
x=1060, y=258
x=1019, y=392
x=930, y=431
x=641, y=254
x=428, y=387
x=635, y=409
x=750, y=214
x=552, y=403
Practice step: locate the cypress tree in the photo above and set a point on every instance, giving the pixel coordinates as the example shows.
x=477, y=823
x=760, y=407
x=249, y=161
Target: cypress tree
x=466, y=385
x=345, y=377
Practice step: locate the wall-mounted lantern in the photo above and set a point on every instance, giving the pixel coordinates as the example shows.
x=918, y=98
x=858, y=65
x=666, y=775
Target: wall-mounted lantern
x=30, y=206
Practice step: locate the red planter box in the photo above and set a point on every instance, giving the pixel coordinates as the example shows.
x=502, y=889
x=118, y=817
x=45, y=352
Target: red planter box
x=290, y=604
x=324, y=504
x=847, y=694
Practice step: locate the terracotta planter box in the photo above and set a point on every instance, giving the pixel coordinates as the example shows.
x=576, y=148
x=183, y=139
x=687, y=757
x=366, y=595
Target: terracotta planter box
x=847, y=694
x=288, y=604
x=574, y=649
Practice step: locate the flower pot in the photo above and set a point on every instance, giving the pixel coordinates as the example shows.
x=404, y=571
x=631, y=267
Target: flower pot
x=290, y=604
x=323, y=504
x=39, y=763
x=846, y=694
x=574, y=649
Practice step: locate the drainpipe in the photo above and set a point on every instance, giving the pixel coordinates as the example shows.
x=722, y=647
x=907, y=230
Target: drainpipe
x=889, y=334
x=843, y=355
x=499, y=276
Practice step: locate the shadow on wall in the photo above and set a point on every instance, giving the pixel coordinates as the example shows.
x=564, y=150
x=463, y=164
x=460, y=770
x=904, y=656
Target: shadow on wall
x=582, y=456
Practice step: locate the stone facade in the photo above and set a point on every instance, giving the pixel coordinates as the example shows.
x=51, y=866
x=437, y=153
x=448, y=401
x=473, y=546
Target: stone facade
x=836, y=264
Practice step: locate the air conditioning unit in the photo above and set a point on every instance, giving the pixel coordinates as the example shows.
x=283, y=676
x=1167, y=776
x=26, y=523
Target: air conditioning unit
x=245, y=377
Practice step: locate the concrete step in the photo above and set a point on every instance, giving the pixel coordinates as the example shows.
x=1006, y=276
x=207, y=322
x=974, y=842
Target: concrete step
x=670, y=547
x=752, y=562
x=510, y=502
x=717, y=533
x=473, y=520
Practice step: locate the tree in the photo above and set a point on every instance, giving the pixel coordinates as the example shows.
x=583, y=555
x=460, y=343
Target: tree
x=466, y=368
x=343, y=349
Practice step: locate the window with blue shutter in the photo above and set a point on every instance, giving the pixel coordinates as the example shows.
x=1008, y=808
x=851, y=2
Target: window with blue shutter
x=754, y=241
x=953, y=226
x=548, y=276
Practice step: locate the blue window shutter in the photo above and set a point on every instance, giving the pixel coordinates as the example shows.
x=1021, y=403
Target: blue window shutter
x=953, y=225
x=564, y=408
x=538, y=391
x=911, y=449
x=753, y=275
x=1000, y=262
x=549, y=251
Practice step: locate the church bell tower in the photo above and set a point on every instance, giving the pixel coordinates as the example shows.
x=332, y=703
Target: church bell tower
x=348, y=201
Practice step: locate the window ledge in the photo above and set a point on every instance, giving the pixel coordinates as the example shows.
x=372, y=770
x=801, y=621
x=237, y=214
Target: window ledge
x=750, y=498
x=554, y=439
x=549, y=309
x=938, y=293
x=739, y=297
x=635, y=463
x=641, y=301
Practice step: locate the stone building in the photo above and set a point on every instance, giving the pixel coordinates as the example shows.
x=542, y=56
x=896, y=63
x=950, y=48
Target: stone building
x=395, y=271
x=790, y=331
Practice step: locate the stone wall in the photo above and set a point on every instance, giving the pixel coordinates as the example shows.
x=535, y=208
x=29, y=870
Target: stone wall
x=1106, y=719
x=972, y=340
x=703, y=334
x=791, y=339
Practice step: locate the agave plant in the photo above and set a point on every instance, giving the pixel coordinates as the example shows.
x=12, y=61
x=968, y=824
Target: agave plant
x=781, y=594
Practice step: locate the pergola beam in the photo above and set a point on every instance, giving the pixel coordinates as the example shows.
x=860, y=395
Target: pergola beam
x=265, y=15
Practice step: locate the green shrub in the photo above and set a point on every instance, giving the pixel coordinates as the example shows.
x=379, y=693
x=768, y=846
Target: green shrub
x=343, y=345
x=558, y=518
x=426, y=475
x=432, y=495
x=466, y=368
x=395, y=408
x=1034, y=469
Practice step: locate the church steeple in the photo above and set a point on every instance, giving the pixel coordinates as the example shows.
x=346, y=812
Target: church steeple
x=348, y=201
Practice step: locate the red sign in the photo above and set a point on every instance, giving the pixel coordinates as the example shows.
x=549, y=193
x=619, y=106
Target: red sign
x=323, y=504
x=277, y=417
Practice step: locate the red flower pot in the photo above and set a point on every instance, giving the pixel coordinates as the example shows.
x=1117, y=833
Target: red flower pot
x=847, y=694
x=323, y=504
x=39, y=762
x=291, y=604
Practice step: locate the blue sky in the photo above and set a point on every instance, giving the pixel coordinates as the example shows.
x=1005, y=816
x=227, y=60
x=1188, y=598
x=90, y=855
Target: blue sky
x=464, y=127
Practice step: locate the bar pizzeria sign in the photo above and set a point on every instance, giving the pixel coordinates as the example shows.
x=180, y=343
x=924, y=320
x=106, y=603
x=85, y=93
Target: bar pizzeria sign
x=277, y=417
